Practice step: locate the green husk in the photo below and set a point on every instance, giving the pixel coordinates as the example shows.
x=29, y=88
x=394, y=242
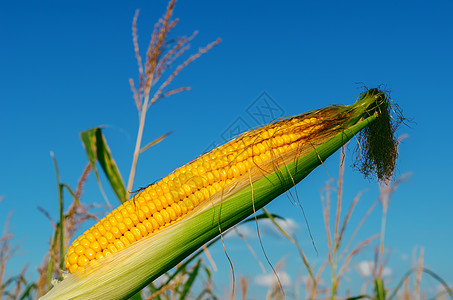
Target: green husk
x=126, y=272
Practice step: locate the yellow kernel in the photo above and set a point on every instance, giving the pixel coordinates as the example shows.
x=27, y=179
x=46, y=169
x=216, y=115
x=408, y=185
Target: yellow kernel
x=189, y=174
x=165, y=188
x=101, y=228
x=90, y=254
x=79, y=250
x=134, y=218
x=99, y=255
x=73, y=268
x=250, y=151
x=218, y=186
x=162, y=203
x=183, y=207
x=112, y=221
x=193, y=199
x=262, y=147
x=148, y=225
x=72, y=259
x=95, y=246
x=82, y=261
x=205, y=192
x=145, y=210
x=130, y=237
x=118, y=244
x=124, y=213
x=171, y=212
x=137, y=234
x=187, y=189
x=236, y=171
x=176, y=181
x=168, y=199
x=141, y=200
x=90, y=237
x=165, y=215
x=210, y=177
x=106, y=252
x=286, y=138
x=116, y=232
x=158, y=190
x=130, y=209
x=241, y=168
x=177, y=209
x=158, y=217
x=153, y=223
x=96, y=233
x=122, y=227
x=188, y=204
x=257, y=160
x=152, y=194
x=103, y=242
x=142, y=229
x=216, y=175
x=181, y=193
x=201, y=170
x=118, y=217
x=70, y=250
x=199, y=196
x=106, y=225
x=109, y=236
x=85, y=243
x=112, y=248
x=278, y=141
x=128, y=223
x=223, y=174
x=152, y=207
x=125, y=241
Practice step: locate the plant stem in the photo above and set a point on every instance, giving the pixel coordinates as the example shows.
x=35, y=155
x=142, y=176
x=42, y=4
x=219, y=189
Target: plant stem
x=138, y=142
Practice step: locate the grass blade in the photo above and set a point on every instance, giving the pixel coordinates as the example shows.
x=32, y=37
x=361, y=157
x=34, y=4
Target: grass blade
x=155, y=142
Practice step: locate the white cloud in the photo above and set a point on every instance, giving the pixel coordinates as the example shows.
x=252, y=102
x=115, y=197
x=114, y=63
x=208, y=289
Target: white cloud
x=366, y=268
x=267, y=227
x=270, y=280
x=245, y=230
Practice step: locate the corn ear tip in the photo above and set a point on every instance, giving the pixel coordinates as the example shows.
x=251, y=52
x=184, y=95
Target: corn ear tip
x=377, y=150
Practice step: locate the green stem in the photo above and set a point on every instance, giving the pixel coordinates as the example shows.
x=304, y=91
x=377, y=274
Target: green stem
x=61, y=210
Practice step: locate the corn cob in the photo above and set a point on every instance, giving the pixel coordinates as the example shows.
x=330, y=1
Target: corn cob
x=173, y=197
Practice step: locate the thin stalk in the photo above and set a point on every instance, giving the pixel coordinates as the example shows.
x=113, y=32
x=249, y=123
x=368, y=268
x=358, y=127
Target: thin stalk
x=61, y=207
x=336, y=245
x=138, y=143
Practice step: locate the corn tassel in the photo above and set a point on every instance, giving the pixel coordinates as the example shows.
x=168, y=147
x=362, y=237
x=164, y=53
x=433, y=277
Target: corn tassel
x=165, y=222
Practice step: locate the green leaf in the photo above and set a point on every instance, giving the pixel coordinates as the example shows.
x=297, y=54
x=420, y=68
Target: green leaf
x=97, y=150
x=155, y=142
x=379, y=289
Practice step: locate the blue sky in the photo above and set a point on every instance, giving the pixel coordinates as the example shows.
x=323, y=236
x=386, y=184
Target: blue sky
x=64, y=68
